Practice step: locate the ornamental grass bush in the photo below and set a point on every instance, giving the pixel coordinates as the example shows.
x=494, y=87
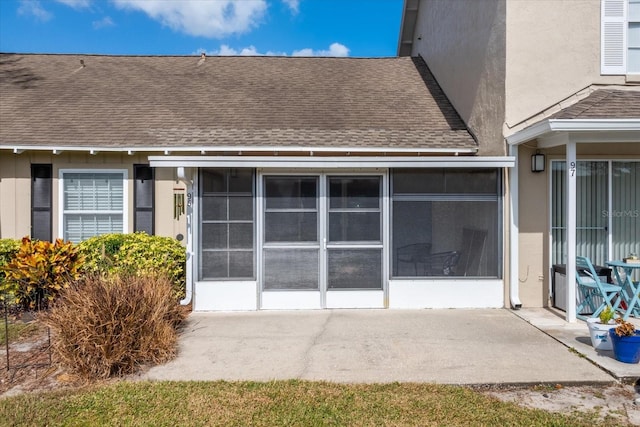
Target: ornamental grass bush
x=135, y=254
x=107, y=326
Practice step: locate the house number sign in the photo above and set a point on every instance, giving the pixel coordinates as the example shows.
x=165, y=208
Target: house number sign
x=572, y=168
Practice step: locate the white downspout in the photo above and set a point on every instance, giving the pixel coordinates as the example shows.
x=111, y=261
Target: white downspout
x=514, y=281
x=182, y=176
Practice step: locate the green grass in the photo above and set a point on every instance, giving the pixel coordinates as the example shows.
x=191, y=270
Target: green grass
x=17, y=330
x=278, y=403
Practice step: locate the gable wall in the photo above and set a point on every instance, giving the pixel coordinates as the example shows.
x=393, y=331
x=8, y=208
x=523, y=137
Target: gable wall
x=552, y=52
x=463, y=43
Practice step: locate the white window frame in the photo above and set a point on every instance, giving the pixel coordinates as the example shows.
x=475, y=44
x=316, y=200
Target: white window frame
x=614, y=37
x=125, y=197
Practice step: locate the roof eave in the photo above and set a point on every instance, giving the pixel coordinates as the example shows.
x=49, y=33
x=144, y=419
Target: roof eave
x=18, y=149
x=548, y=126
x=407, y=27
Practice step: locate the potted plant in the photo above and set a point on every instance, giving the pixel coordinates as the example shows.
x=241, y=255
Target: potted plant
x=626, y=342
x=599, y=329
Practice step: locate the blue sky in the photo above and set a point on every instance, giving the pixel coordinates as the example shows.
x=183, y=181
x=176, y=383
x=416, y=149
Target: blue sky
x=357, y=28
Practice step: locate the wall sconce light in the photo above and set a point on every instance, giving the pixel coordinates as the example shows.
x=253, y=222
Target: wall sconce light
x=537, y=162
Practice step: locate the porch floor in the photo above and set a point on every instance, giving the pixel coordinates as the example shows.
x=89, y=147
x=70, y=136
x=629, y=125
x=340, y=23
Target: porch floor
x=576, y=336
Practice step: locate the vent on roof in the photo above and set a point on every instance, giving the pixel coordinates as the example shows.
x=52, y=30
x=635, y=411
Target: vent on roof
x=203, y=56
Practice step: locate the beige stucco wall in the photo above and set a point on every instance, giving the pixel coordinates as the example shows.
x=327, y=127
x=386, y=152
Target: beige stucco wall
x=15, y=195
x=463, y=43
x=552, y=52
x=533, y=225
x=534, y=211
x=15, y=189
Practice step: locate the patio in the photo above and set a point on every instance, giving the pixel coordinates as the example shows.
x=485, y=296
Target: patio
x=480, y=346
x=576, y=335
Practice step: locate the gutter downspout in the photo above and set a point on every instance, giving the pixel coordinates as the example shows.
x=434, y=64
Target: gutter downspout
x=182, y=177
x=514, y=281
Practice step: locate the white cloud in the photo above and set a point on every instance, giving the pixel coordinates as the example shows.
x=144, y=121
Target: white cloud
x=294, y=5
x=336, y=49
x=226, y=50
x=35, y=9
x=103, y=23
x=76, y=4
x=202, y=18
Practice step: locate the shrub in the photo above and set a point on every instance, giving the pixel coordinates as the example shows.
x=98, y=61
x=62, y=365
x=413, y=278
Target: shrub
x=39, y=270
x=136, y=253
x=108, y=326
x=8, y=249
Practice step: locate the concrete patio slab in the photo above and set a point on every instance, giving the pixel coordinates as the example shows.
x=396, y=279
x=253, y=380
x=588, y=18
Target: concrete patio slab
x=576, y=336
x=483, y=346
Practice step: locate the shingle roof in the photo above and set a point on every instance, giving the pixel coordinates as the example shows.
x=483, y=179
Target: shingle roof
x=164, y=102
x=604, y=104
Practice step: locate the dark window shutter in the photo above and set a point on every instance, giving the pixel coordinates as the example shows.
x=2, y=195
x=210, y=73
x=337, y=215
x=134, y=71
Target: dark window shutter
x=41, y=184
x=143, y=198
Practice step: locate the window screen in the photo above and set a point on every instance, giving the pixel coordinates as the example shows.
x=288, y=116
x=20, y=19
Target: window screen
x=446, y=222
x=227, y=217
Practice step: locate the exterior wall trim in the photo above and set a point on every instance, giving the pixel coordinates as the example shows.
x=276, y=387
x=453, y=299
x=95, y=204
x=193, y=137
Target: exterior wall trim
x=331, y=162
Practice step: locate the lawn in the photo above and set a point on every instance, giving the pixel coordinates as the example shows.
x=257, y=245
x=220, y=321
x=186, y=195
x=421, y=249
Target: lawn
x=278, y=403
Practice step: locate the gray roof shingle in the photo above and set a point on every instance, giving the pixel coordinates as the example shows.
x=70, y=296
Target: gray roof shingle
x=604, y=104
x=165, y=102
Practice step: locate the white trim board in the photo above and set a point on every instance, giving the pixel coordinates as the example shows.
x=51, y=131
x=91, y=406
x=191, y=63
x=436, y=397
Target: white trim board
x=627, y=127
x=446, y=293
x=225, y=296
x=332, y=162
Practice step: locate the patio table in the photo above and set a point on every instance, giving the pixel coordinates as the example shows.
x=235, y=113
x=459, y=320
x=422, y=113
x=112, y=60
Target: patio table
x=631, y=298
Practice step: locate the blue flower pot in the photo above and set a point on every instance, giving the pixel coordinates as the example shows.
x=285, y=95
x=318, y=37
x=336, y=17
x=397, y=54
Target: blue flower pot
x=626, y=349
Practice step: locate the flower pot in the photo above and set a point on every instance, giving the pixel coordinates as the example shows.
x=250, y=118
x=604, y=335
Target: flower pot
x=599, y=332
x=626, y=349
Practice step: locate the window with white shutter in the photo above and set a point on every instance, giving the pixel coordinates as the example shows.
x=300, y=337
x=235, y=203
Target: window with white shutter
x=620, y=37
x=613, y=37
x=633, y=38
x=92, y=203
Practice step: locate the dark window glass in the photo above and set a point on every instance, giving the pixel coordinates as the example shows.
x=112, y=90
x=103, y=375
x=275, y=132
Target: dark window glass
x=144, y=193
x=41, y=185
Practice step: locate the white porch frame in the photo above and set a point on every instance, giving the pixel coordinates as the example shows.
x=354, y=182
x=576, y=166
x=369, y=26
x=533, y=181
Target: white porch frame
x=187, y=165
x=568, y=132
